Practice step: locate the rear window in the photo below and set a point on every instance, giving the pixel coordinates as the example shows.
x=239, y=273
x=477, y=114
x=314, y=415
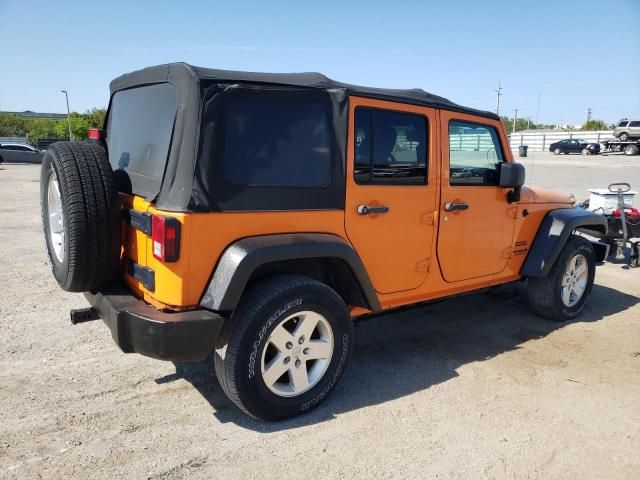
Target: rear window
x=277, y=141
x=139, y=131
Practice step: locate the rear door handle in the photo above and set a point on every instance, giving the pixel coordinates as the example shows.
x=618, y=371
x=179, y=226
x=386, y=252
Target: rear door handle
x=372, y=209
x=452, y=207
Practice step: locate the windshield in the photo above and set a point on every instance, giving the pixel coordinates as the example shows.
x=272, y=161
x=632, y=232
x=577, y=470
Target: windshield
x=139, y=131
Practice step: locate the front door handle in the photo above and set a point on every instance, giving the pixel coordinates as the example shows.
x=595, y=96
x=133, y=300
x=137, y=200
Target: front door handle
x=453, y=207
x=372, y=209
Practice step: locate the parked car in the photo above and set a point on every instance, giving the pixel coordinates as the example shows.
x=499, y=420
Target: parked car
x=19, y=153
x=575, y=145
x=627, y=129
x=253, y=216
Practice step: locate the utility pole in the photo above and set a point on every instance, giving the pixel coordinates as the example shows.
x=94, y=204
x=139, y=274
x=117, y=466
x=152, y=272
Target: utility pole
x=538, y=109
x=588, y=114
x=528, y=122
x=498, y=92
x=68, y=113
x=515, y=117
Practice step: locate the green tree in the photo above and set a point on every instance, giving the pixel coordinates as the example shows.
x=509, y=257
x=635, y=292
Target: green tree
x=594, y=125
x=37, y=128
x=521, y=124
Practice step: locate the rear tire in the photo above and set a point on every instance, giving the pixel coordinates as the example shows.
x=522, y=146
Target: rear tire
x=548, y=295
x=80, y=215
x=250, y=344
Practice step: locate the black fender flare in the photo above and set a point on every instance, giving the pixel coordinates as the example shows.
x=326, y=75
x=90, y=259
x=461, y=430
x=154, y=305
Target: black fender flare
x=552, y=235
x=243, y=257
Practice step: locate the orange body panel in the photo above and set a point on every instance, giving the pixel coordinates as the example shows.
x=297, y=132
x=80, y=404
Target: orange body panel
x=416, y=252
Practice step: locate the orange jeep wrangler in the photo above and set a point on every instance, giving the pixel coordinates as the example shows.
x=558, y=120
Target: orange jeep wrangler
x=254, y=216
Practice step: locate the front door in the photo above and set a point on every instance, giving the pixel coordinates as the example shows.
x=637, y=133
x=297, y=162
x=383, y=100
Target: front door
x=391, y=190
x=476, y=221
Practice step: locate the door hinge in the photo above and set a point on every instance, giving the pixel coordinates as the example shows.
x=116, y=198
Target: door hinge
x=512, y=212
x=422, y=265
x=506, y=253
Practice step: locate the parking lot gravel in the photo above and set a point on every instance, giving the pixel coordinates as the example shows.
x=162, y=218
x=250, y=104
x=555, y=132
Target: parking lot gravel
x=474, y=387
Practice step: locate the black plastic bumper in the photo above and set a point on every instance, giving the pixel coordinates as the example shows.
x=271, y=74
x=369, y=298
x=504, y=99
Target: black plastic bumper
x=137, y=327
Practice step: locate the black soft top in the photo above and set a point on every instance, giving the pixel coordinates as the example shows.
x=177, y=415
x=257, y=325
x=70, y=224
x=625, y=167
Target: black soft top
x=187, y=77
x=192, y=180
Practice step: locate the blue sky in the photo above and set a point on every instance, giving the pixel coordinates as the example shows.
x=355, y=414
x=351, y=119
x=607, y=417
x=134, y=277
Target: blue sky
x=569, y=51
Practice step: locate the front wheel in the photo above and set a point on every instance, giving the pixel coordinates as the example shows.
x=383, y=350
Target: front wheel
x=585, y=151
x=631, y=150
x=624, y=136
x=284, y=348
x=557, y=151
x=562, y=294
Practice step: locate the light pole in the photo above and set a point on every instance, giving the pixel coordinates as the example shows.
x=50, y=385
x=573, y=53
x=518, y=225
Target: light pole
x=515, y=118
x=498, y=94
x=68, y=113
x=528, y=122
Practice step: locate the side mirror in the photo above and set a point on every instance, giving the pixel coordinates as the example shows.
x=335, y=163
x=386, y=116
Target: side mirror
x=512, y=176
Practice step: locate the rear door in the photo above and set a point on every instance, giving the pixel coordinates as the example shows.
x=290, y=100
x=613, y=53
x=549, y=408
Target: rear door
x=476, y=222
x=391, y=190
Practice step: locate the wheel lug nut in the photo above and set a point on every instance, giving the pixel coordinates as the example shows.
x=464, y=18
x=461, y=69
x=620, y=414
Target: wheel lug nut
x=301, y=340
x=306, y=351
x=287, y=360
x=289, y=345
x=298, y=363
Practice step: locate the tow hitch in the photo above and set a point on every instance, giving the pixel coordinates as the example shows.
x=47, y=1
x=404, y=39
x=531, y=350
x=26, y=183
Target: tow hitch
x=81, y=315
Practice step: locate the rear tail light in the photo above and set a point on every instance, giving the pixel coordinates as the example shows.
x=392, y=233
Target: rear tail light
x=165, y=235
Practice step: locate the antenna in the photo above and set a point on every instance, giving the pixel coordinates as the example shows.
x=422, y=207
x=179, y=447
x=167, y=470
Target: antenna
x=498, y=92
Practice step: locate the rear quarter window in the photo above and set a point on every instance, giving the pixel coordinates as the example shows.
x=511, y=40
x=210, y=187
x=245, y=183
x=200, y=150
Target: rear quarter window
x=139, y=132
x=277, y=141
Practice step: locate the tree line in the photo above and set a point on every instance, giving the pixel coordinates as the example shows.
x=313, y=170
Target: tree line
x=34, y=129
x=524, y=124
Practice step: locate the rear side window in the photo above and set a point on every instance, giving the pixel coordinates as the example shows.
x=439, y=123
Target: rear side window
x=475, y=154
x=139, y=131
x=391, y=147
x=277, y=141
x=634, y=124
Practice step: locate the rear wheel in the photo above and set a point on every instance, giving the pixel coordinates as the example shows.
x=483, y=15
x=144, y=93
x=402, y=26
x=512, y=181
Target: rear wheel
x=80, y=215
x=562, y=294
x=285, y=347
x=631, y=150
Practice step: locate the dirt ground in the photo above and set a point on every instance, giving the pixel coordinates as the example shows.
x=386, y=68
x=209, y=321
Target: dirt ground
x=475, y=387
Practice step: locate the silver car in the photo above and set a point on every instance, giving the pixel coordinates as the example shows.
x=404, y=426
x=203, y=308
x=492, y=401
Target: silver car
x=19, y=153
x=627, y=129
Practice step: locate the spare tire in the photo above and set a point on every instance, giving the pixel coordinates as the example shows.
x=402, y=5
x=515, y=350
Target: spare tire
x=80, y=215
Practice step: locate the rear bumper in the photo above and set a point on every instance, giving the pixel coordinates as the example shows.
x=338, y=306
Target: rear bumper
x=137, y=327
